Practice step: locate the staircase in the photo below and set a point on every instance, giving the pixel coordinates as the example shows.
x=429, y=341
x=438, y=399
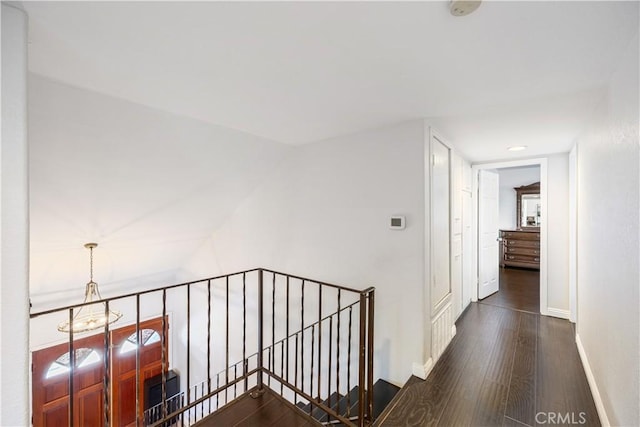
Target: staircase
x=347, y=406
x=294, y=340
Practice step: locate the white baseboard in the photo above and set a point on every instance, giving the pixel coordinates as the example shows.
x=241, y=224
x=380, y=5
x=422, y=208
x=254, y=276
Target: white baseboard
x=556, y=312
x=604, y=420
x=428, y=367
x=422, y=371
x=453, y=331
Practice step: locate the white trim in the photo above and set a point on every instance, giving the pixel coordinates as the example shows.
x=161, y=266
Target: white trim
x=422, y=371
x=542, y=161
x=557, y=312
x=428, y=367
x=573, y=234
x=597, y=399
x=435, y=135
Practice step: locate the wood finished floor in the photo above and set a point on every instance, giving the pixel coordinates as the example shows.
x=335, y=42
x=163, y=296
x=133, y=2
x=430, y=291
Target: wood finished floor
x=266, y=410
x=501, y=369
x=519, y=290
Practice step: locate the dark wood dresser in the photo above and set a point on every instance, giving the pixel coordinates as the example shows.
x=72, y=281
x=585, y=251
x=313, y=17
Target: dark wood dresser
x=520, y=248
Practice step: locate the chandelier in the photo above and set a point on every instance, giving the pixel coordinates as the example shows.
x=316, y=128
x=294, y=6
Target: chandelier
x=91, y=315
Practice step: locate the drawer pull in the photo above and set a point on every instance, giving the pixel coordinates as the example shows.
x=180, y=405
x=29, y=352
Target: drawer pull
x=536, y=259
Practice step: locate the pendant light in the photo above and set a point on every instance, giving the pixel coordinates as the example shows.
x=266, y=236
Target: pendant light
x=91, y=315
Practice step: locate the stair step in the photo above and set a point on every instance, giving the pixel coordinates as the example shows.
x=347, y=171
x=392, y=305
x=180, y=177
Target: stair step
x=383, y=393
x=318, y=413
x=352, y=401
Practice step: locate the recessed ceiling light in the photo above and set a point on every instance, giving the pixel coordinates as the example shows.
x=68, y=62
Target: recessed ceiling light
x=517, y=148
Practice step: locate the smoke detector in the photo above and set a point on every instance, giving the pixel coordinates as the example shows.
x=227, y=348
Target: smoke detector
x=463, y=7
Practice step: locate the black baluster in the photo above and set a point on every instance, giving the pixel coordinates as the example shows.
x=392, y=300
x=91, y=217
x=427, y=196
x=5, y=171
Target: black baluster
x=281, y=366
x=226, y=358
x=287, y=329
x=72, y=366
x=313, y=339
x=302, y=338
x=273, y=328
x=208, y=336
x=295, y=371
x=349, y=363
x=330, y=356
x=338, y=348
x=188, y=343
x=138, y=343
x=244, y=330
x=319, y=341
x=107, y=344
x=164, y=356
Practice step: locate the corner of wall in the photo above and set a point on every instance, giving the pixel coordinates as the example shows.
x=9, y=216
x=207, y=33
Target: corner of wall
x=422, y=371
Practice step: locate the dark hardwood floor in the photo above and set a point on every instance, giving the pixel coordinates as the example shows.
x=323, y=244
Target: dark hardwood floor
x=519, y=290
x=503, y=368
x=266, y=410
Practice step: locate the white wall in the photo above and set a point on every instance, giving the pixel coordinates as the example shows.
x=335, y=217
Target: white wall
x=509, y=179
x=147, y=185
x=14, y=231
x=608, y=253
x=324, y=214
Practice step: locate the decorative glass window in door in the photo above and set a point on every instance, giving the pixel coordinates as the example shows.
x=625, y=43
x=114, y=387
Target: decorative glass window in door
x=83, y=357
x=149, y=336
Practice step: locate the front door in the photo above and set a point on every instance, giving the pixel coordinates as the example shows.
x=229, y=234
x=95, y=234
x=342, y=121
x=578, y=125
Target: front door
x=51, y=384
x=50, y=388
x=124, y=367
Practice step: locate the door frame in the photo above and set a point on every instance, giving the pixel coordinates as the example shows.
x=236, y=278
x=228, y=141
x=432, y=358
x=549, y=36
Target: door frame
x=434, y=308
x=542, y=162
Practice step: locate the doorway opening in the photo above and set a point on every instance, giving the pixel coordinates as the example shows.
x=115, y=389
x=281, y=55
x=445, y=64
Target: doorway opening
x=511, y=234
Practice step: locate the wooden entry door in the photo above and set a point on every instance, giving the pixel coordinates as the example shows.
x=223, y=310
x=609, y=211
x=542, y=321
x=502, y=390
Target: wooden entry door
x=51, y=384
x=124, y=367
x=50, y=388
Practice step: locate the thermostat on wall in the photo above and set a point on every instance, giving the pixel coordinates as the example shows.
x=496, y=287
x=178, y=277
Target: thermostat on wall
x=397, y=222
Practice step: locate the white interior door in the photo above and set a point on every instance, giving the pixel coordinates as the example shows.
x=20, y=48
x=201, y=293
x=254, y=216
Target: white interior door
x=488, y=253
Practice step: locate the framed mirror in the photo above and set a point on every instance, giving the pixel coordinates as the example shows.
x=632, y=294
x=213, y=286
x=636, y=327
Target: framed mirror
x=528, y=206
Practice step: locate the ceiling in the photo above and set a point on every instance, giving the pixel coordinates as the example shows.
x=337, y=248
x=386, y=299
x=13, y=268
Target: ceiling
x=511, y=73
x=151, y=122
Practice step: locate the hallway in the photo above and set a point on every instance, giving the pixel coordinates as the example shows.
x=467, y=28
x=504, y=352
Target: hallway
x=504, y=367
x=519, y=290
